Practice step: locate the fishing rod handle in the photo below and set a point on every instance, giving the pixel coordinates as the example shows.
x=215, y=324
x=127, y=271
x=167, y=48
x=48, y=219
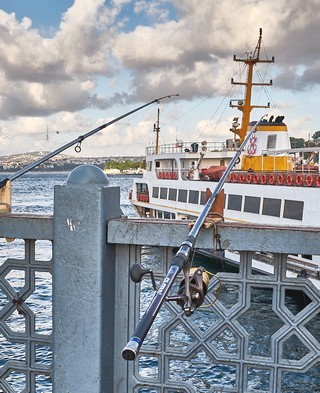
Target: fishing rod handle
x=131, y=350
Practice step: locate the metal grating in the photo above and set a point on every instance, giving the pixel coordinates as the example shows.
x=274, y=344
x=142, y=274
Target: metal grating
x=25, y=316
x=262, y=335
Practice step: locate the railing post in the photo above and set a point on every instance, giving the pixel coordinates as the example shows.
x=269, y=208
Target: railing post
x=84, y=283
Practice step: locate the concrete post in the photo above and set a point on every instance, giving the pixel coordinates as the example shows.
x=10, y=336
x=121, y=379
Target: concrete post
x=84, y=283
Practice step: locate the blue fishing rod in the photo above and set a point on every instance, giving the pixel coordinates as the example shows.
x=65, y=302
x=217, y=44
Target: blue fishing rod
x=179, y=262
x=76, y=141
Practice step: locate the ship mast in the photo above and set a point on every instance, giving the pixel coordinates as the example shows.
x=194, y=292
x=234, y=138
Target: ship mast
x=156, y=128
x=244, y=105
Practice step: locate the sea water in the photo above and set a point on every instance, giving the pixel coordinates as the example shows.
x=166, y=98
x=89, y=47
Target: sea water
x=33, y=193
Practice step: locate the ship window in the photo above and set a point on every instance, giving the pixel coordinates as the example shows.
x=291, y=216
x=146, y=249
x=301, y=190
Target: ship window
x=182, y=196
x=157, y=164
x=271, y=207
x=159, y=214
x=193, y=196
x=167, y=215
x=155, y=192
x=203, y=198
x=252, y=204
x=172, y=194
x=142, y=187
x=163, y=193
x=293, y=209
x=234, y=202
x=272, y=140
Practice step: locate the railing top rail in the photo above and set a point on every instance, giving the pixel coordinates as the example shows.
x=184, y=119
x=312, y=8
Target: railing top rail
x=26, y=226
x=234, y=235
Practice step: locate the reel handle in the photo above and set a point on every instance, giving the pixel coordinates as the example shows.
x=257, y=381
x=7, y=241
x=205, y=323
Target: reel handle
x=137, y=272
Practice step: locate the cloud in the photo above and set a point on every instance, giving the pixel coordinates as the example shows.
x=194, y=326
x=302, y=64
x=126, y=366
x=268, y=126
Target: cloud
x=161, y=47
x=176, y=53
x=41, y=76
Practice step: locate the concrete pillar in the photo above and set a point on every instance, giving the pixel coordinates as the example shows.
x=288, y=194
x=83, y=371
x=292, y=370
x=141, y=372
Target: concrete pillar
x=84, y=283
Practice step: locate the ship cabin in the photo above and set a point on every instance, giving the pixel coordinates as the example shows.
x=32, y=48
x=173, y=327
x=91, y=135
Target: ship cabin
x=177, y=174
x=188, y=160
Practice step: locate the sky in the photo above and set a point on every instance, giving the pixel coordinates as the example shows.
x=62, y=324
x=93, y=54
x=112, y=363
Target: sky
x=69, y=66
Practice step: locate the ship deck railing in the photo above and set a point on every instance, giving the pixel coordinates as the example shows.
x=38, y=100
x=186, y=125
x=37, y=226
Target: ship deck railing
x=189, y=147
x=299, y=178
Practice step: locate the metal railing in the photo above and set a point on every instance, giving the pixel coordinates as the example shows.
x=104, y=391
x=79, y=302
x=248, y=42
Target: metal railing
x=260, y=335
x=189, y=147
x=220, y=348
x=25, y=303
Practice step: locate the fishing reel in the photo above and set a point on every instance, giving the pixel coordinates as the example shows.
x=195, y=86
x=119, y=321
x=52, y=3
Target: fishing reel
x=192, y=289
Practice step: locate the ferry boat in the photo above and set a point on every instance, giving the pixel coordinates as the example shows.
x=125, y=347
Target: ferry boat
x=271, y=184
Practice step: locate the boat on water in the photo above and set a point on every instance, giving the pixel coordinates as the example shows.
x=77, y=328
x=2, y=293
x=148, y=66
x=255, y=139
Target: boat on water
x=272, y=184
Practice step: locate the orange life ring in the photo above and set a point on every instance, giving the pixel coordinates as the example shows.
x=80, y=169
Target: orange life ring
x=309, y=180
x=230, y=177
x=280, y=179
x=318, y=181
x=174, y=175
x=241, y=178
x=256, y=179
x=235, y=177
x=263, y=179
x=289, y=180
x=299, y=180
x=249, y=178
x=272, y=178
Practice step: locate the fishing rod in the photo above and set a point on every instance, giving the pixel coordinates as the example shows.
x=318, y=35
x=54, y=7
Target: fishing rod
x=77, y=141
x=180, y=261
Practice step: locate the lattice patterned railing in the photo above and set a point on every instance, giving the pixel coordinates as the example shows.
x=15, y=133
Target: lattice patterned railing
x=262, y=335
x=25, y=316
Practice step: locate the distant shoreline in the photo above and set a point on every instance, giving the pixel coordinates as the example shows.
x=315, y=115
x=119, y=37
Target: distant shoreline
x=58, y=163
